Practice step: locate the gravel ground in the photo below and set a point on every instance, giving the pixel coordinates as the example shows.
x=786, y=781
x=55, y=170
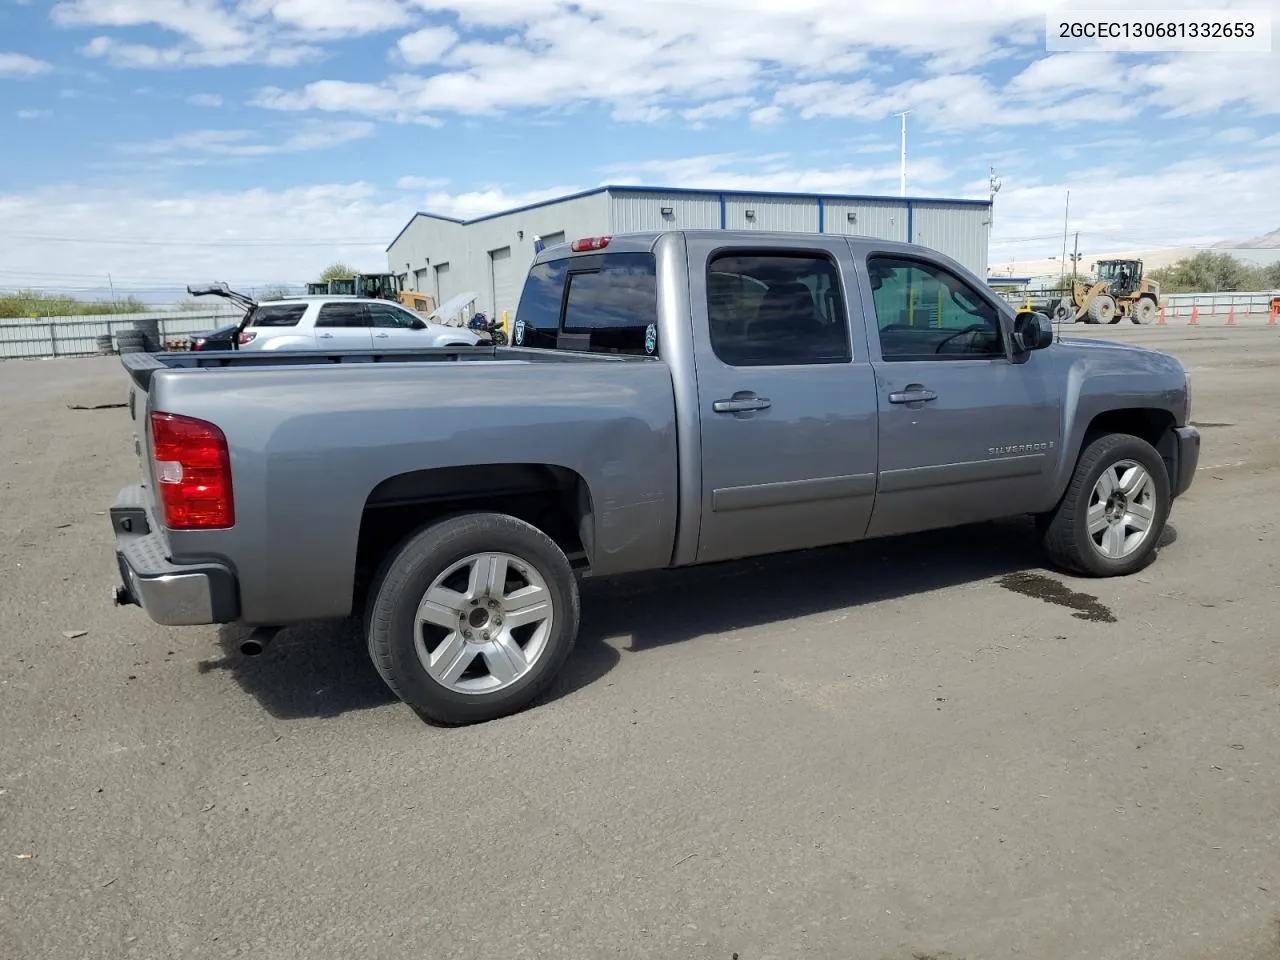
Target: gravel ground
x=902, y=749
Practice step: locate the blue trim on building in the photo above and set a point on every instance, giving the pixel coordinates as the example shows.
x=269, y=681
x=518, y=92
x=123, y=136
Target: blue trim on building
x=822, y=215
x=690, y=191
x=910, y=225
x=724, y=213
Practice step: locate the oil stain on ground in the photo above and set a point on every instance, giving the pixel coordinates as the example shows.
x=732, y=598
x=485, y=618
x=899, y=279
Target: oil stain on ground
x=1044, y=588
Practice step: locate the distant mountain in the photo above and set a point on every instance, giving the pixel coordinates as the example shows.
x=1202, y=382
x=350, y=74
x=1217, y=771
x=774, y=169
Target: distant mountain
x=1268, y=241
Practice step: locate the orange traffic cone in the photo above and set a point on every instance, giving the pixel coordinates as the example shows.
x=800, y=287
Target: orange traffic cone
x=1195, y=314
x=1275, y=311
x=1231, y=316
x=1160, y=322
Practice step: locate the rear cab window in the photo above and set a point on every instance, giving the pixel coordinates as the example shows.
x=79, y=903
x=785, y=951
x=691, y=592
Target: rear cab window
x=600, y=303
x=275, y=315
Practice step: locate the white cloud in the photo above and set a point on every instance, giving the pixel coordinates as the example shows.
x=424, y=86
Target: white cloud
x=21, y=65
x=421, y=183
x=726, y=109
x=1236, y=135
x=767, y=115
x=242, y=236
x=314, y=135
x=144, y=56
x=336, y=17
x=204, y=22
x=478, y=203
x=34, y=114
x=205, y=100
x=776, y=172
x=427, y=45
x=1128, y=211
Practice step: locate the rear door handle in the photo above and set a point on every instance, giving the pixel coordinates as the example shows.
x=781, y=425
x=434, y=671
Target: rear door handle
x=382, y=335
x=741, y=404
x=912, y=394
x=325, y=336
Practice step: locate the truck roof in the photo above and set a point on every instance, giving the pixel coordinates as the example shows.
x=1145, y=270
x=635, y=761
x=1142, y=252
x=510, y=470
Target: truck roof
x=645, y=241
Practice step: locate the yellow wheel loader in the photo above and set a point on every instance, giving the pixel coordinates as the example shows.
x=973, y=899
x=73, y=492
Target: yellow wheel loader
x=1120, y=291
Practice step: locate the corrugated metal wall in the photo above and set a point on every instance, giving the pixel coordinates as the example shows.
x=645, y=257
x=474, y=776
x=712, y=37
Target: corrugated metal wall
x=641, y=212
x=961, y=232
x=787, y=214
x=883, y=220
x=469, y=248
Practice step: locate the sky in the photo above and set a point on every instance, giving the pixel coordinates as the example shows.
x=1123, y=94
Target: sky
x=163, y=142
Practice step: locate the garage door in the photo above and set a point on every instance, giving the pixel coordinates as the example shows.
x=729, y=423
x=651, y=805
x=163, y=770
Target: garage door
x=505, y=282
x=444, y=283
x=422, y=280
x=551, y=239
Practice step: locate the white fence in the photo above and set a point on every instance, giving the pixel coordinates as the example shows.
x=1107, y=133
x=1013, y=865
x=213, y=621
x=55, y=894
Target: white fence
x=78, y=336
x=1207, y=304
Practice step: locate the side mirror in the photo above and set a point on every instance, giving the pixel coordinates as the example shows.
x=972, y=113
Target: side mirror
x=419, y=323
x=1031, y=331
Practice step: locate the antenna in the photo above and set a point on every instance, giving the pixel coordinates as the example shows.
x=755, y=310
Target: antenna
x=995, y=183
x=902, y=176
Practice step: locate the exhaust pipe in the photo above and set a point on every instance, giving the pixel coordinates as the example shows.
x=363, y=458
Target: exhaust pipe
x=257, y=641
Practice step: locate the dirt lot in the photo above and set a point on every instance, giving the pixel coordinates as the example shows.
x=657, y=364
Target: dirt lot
x=886, y=751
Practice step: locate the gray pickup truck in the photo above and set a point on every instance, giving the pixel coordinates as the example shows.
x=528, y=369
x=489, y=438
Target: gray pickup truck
x=669, y=399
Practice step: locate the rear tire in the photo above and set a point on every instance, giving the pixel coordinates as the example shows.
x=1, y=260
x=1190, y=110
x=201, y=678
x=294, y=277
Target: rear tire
x=1109, y=522
x=473, y=617
x=1144, y=310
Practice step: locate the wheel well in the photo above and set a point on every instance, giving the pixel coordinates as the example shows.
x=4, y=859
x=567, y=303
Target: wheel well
x=1153, y=426
x=554, y=499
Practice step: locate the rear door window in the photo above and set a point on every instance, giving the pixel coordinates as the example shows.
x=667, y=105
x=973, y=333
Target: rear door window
x=276, y=315
x=342, y=315
x=597, y=304
x=776, y=309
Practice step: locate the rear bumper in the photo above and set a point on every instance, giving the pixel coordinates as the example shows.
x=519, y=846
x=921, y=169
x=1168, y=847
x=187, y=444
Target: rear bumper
x=172, y=594
x=1187, y=444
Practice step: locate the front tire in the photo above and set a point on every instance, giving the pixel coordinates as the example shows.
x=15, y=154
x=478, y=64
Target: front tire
x=1103, y=309
x=1110, y=519
x=473, y=617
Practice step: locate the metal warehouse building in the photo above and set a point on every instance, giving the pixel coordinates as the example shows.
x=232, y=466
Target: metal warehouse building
x=443, y=257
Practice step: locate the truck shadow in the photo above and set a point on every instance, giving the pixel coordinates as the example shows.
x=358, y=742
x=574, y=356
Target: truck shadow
x=653, y=610
x=323, y=669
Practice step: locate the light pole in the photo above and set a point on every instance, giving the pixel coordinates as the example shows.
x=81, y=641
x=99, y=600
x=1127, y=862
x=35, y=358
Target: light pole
x=902, y=175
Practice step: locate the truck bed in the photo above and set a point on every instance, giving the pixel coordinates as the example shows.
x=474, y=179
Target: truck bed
x=141, y=366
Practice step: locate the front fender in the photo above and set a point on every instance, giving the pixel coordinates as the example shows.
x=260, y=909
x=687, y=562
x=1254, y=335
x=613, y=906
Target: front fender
x=1120, y=383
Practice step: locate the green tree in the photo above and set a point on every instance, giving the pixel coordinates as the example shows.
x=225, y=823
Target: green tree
x=336, y=271
x=1206, y=272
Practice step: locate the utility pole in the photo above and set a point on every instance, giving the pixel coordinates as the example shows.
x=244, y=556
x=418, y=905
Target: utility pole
x=902, y=176
x=1065, y=219
x=1075, y=256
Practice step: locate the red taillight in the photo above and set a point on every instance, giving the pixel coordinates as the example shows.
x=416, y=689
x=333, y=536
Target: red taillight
x=246, y=337
x=589, y=243
x=193, y=473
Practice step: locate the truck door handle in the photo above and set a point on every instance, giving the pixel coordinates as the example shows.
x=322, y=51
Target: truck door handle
x=741, y=404
x=913, y=394
x=325, y=336
x=382, y=335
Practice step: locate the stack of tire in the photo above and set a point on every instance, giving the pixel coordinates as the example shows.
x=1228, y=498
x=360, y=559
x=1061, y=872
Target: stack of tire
x=131, y=340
